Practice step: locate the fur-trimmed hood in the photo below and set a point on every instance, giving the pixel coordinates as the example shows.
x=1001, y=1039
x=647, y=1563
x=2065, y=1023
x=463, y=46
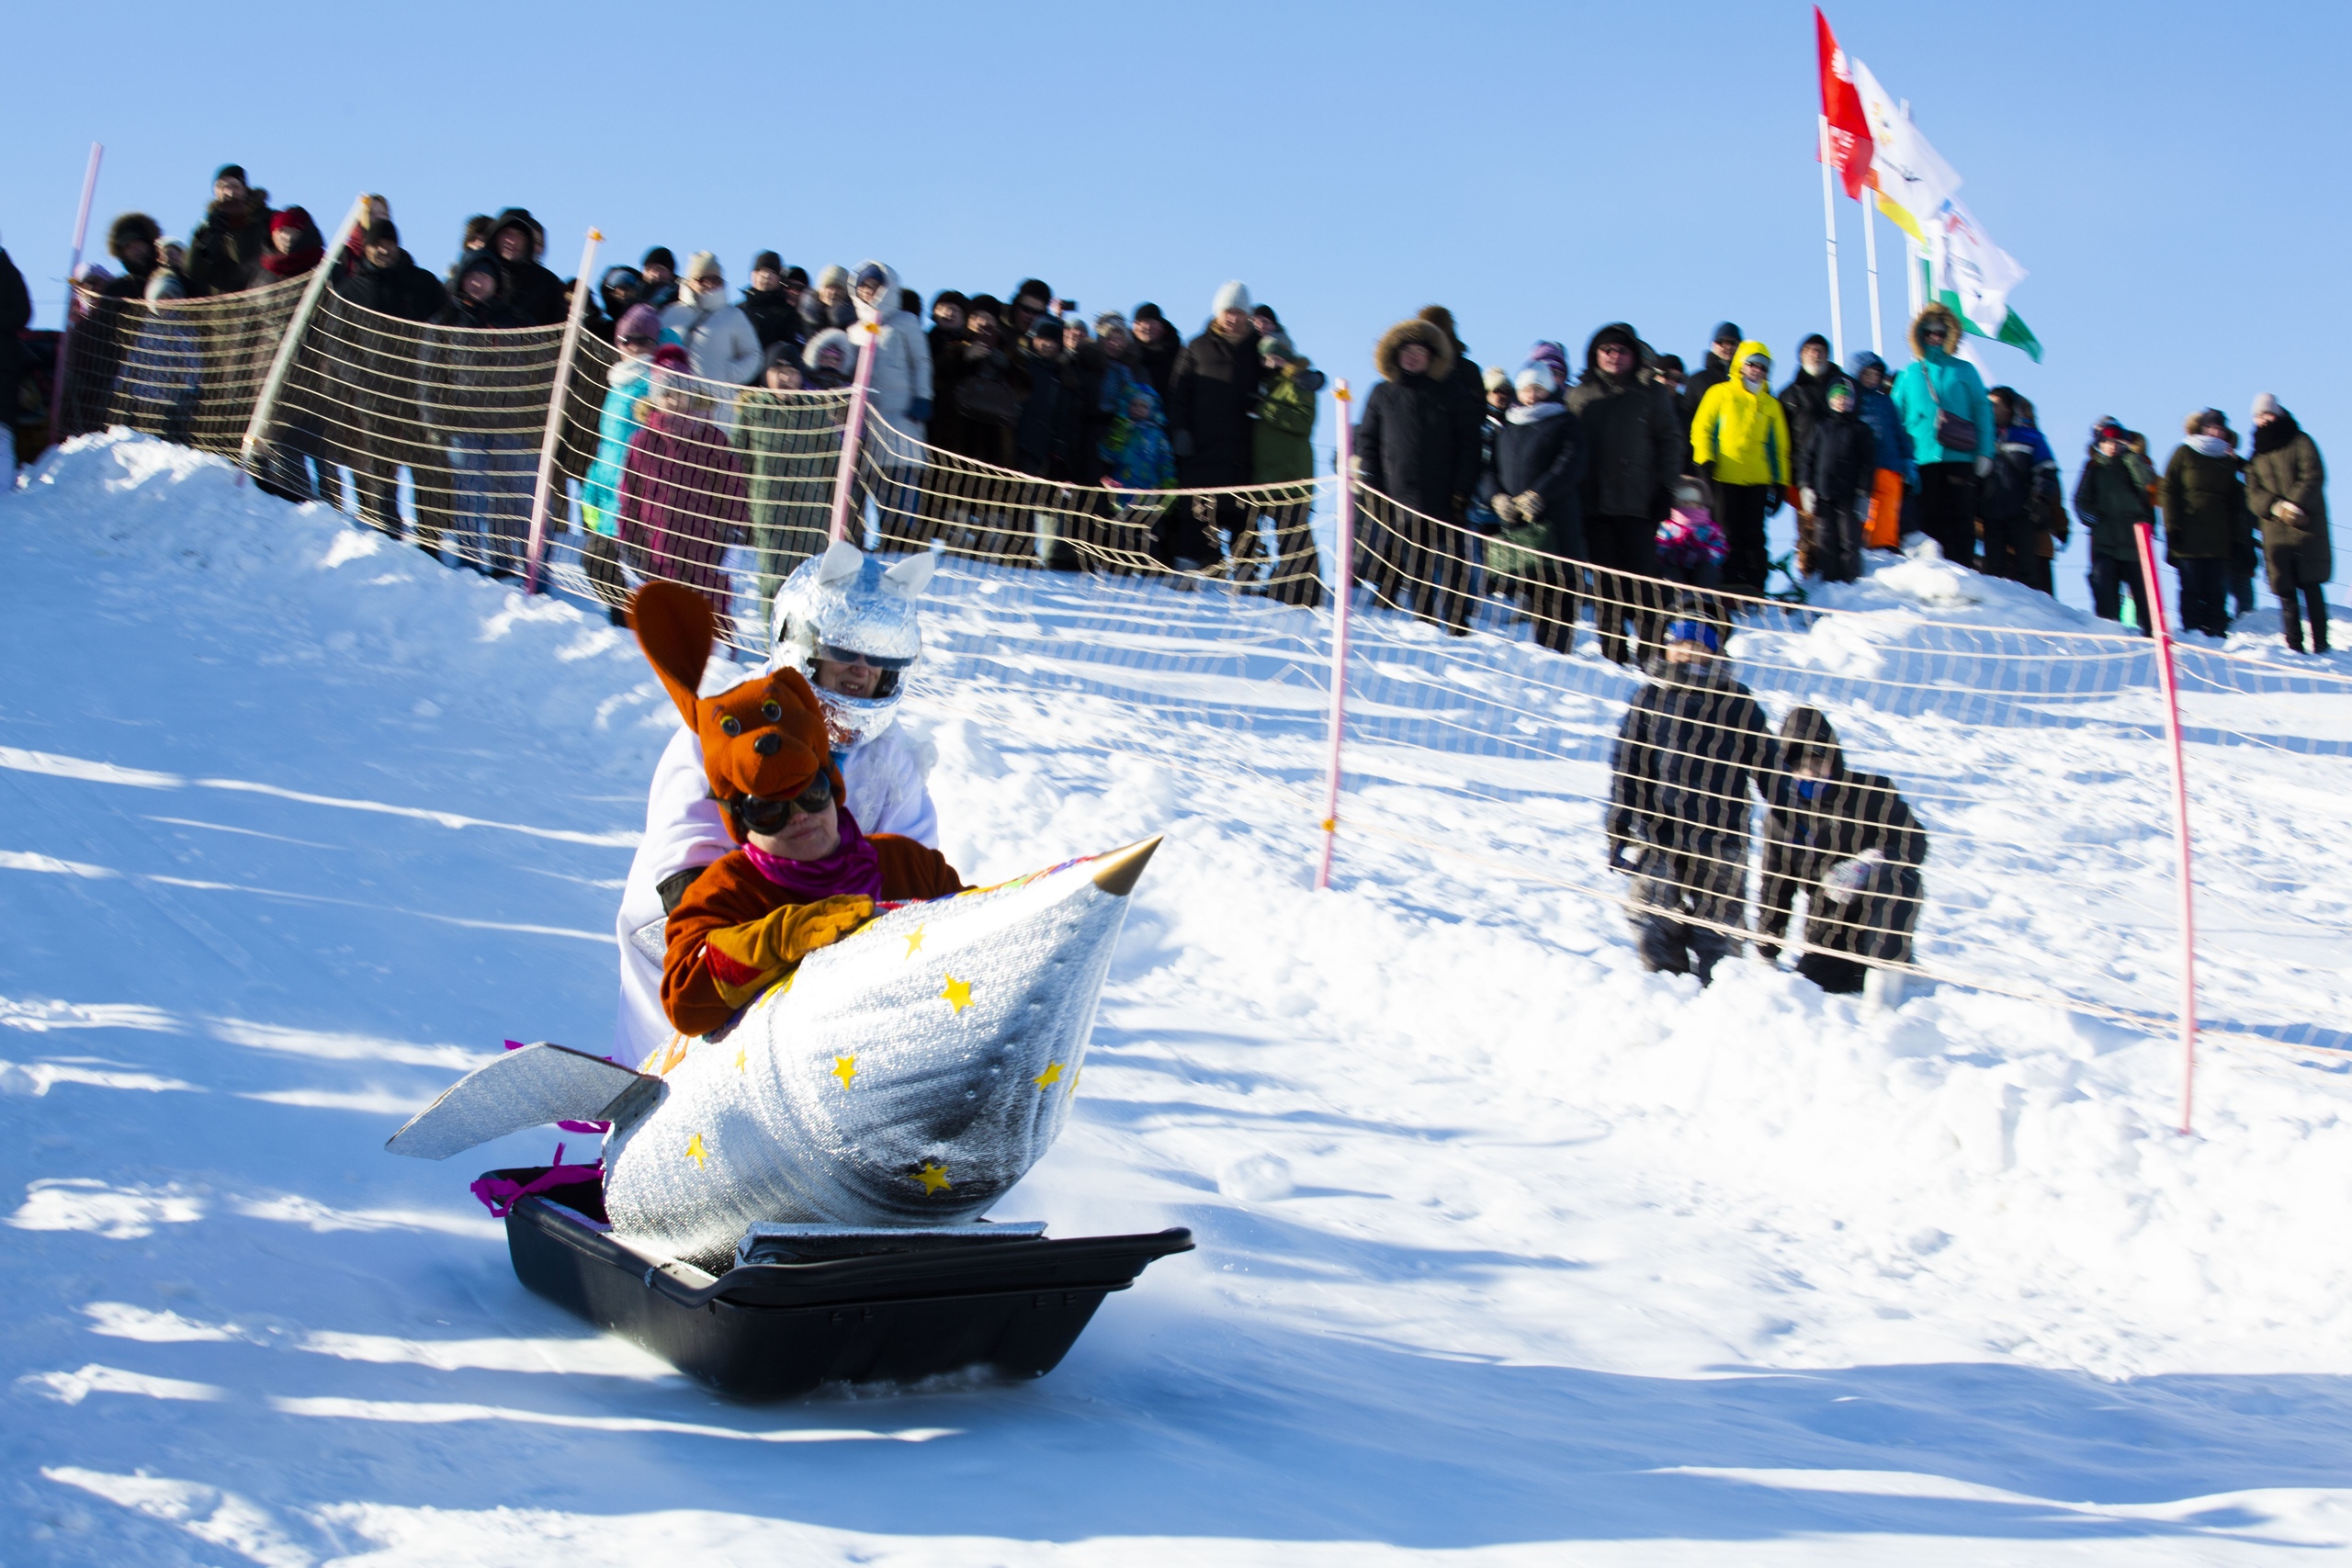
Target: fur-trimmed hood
x=1935, y=311
x=1432, y=337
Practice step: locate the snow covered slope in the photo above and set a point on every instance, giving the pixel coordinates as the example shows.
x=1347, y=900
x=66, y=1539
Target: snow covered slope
x=1510, y=1252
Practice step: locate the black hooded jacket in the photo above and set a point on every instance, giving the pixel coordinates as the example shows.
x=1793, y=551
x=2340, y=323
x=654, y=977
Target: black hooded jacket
x=1412, y=442
x=1635, y=444
x=1209, y=396
x=1690, y=749
x=533, y=293
x=224, y=255
x=1805, y=840
x=1837, y=458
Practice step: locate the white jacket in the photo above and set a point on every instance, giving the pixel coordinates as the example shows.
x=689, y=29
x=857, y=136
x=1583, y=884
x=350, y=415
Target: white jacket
x=886, y=781
x=901, y=356
x=720, y=342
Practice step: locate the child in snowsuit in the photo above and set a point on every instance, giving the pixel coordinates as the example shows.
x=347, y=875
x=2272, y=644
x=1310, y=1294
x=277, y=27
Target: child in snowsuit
x=1849, y=843
x=1691, y=749
x=1836, y=470
x=1134, y=451
x=1533, y=467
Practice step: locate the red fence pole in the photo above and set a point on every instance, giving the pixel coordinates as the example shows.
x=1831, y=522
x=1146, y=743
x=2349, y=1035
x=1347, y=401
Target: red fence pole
x=2153, y=602
x=1344, y=585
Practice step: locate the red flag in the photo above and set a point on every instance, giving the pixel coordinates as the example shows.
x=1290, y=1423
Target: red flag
x=1849, y=133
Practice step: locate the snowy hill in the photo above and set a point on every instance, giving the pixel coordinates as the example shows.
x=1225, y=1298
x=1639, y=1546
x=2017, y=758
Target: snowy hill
x=1511, y=1253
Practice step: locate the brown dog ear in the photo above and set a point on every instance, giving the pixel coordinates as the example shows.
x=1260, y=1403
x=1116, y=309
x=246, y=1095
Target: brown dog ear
x=673, y=627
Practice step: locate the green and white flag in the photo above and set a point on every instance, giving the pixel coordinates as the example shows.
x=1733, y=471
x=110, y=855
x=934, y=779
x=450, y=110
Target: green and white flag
x=1973, y=276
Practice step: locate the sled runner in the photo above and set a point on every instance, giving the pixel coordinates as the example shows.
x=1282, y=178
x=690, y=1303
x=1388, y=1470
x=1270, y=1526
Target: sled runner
x=828, y=1304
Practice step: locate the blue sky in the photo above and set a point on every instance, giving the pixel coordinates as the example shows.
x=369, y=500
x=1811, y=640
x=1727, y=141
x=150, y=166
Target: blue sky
x=2170, y=175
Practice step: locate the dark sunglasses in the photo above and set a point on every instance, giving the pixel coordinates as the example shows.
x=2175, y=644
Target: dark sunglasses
x=851, y=656
x=758, y=814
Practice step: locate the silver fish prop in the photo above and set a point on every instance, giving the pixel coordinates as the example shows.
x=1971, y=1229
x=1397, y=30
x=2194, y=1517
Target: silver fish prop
x=906, y=1076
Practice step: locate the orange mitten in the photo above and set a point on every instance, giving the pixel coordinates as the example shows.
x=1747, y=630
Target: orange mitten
x=747, y=959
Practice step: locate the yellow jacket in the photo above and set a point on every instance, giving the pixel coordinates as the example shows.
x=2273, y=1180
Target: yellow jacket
x=1744, y=433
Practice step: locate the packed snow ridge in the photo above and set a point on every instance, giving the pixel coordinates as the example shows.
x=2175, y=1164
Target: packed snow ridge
x=1510, y=1252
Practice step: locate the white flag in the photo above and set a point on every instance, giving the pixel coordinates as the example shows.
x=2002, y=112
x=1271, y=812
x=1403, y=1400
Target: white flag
x=1964, y=264
x=1913, y=182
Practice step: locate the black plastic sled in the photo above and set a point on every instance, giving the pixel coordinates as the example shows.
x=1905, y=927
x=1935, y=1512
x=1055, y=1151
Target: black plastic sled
x=772, y=1330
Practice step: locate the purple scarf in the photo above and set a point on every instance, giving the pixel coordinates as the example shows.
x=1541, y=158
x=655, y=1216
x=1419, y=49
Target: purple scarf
x=854, y=867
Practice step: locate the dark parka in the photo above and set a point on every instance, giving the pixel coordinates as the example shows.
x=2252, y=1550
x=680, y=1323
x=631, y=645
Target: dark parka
x=2286, y=466
x=402, y=290
x=1804, y=840
x=775, y=317
x=1210, y=393
x=1691, y=748
x=1412, y=444
x=2110, y=496
x=1837, y=458
x=1805, y=402
x=1545, y=455
x=1633, y=438
x=2204, y=505
x=224, y=255
x=533, y=293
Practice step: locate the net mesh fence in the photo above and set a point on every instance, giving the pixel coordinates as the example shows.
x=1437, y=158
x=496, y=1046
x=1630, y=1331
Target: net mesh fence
x=2013, y=780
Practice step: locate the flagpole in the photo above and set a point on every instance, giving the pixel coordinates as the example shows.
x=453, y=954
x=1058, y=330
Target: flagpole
x=1829, y=233
x=1911, y=279
x=1870, y=253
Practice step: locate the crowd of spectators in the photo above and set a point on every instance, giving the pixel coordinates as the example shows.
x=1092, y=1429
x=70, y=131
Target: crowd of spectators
x=1555, y=487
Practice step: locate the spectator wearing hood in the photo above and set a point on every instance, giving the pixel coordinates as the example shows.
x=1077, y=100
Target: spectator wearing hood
x=294, y=247
x=684, y=494
x=533, y=293
x=224, y=255
x=620, y=289
x=134, y=241
x=1803, y=402
x=1634, y=446
x=1693, y=747
x=1283, y=453
x=900, y=385
x=467, y=397
x=1739, y=440
x=827, y=361
x=628, y=384
x=389, y=283
x=2286, y=490
x=299, y=442
x=1713, y=370
x=828, y=304
x=718, y=337
x=660, y=269
x=1846, y=841
x=792, y=446
x=1157, y=347
x=2204, y=499
x=1531, y=482
x=1836, y=468
x=1882, y=529
x=1941, y=400
x=2111, y=498
x=774, y=314
x=1413, y=447
x=2015, y=503
x=1211, y=392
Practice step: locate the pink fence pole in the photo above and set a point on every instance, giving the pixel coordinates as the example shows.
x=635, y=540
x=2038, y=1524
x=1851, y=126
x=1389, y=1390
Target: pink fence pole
x=543, y=490
x=2167, y=679
x=1342, y=599
x=73, y=272
x=845, y=476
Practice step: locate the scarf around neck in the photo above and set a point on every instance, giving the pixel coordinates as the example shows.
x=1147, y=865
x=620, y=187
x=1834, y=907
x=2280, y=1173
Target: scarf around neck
x=855, y=867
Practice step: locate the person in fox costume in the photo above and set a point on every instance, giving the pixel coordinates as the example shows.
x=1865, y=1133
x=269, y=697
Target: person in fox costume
x=803, y=874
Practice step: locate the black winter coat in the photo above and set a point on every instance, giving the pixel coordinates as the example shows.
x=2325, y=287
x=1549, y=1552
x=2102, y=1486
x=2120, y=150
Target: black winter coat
x=1805, y=402
x=402, y=290
x=1158, y=363
x=1546, y=455
x=1414, y=446
x=16, y=314
x=1634, y=446
x=1848, y=814
x=1689, y=753
x=775, y=318
x=535, y=295
x=2111, y=497
x=1710, y=372
x=1038, y=437
x=224, y=255
x=1836, y=459
x=1210, y=394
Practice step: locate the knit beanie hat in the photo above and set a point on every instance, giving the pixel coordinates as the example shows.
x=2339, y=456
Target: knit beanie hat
x=383, y=231
x=2267, y=402
x=799, y=275
x=1233, y=296
x=638, y=320
x=1497, y=378
x=833, y=277
x=230, y=172
x=1107, y=320
x=1537, y=373
x=1728, y=332
x=703, y=264
x=292, y=218
x=660, y=256
x=1148, y=311
x=767, y=261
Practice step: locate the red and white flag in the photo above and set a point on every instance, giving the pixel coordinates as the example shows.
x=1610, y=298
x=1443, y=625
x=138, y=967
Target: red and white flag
x=1850, y=129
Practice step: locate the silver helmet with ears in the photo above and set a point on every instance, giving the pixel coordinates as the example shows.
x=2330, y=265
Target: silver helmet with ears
x=847, y=602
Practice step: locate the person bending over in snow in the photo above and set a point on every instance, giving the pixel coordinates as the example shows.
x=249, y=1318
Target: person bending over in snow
x=1692, y=747
x=804, y=874
x=1846, y=841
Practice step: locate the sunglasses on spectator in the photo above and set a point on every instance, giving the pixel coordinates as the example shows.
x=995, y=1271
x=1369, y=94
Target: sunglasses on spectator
x=759, y=814
x=851, y=656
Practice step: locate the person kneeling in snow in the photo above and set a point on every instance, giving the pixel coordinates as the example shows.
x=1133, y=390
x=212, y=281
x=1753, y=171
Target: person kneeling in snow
x=1846, y=841
x=850, y=629
x=1693, y=746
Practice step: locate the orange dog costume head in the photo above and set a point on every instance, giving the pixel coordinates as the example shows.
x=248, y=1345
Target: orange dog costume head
x=765, y=736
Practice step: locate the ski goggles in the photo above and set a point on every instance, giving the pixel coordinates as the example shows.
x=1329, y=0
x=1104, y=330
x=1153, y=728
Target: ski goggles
x=1700, y=632
x=839, y=654
x=761, y=814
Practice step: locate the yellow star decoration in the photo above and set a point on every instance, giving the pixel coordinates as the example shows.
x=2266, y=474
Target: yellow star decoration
x=844, y=1068
x=914, y=941
x=934, y=1177
x=739, y=1058
x=958, y=993
x=1051, y=1076
x=698, y=1151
